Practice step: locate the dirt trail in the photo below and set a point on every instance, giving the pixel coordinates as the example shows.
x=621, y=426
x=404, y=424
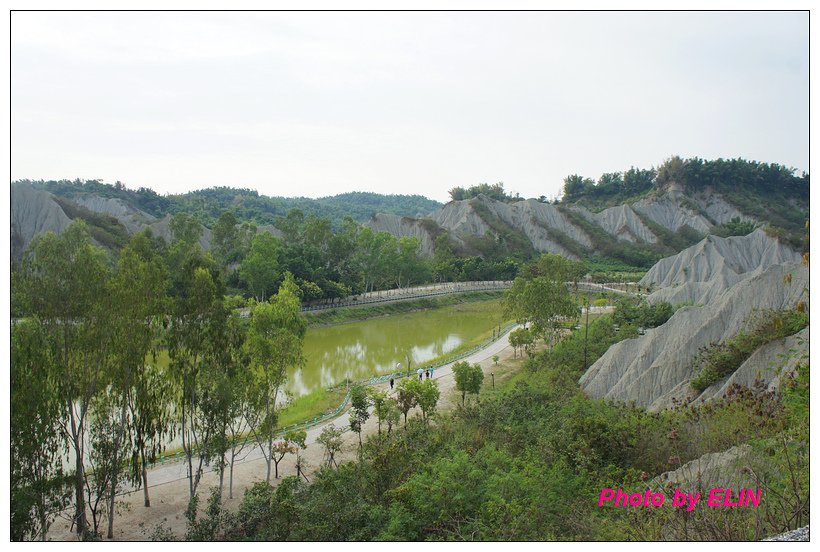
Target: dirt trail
x=168, y=484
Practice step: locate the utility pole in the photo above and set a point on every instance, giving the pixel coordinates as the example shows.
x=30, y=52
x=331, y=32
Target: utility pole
x=586, y=335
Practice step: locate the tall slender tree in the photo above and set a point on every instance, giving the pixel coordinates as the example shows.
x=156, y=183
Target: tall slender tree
x=63, y=282
x=139, y=291
x=275, y=340
x=39, y=487
x=198, y=313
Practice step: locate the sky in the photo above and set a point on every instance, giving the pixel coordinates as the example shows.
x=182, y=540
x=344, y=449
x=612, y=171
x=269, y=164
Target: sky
x=315, y=104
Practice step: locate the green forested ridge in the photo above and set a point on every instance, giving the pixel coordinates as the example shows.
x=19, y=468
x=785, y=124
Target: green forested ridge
x=765, y=191
x=247, y=205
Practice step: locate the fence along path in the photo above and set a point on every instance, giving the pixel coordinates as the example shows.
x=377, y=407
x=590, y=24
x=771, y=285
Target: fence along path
x=404, y=294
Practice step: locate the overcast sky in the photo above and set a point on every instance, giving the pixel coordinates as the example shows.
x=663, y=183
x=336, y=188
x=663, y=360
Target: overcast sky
x=318, y=104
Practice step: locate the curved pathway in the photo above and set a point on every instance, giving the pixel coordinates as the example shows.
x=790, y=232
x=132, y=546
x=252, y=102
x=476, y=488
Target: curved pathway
x=176, y=471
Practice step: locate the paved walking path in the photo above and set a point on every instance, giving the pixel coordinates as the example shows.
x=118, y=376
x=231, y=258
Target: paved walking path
x=179, y=470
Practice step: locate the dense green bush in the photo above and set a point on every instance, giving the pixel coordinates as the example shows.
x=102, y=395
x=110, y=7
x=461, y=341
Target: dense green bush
x=718, y=360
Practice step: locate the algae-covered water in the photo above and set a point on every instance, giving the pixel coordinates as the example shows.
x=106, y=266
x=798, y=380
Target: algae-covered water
x=359, y=350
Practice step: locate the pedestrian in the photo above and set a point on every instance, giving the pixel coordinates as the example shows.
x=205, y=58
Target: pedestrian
x=427, y=373
x=431, y=372
x=392, y=381
x=420, y=372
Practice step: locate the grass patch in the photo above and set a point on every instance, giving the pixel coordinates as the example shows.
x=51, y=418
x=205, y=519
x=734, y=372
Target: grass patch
x=717, y=360
x=310, y=406
x=104, y=228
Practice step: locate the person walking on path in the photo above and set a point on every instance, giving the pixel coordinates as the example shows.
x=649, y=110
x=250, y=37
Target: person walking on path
x=431, y=372
x=420, y=372
x=392, y=381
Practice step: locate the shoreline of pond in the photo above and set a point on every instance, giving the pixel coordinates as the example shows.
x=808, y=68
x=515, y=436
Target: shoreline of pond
x=335, y=317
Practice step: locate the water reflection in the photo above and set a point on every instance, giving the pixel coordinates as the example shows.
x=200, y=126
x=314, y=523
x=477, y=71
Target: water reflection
x=362, y=349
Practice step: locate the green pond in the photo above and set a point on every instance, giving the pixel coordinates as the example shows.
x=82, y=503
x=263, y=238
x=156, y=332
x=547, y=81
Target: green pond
x=359, y=350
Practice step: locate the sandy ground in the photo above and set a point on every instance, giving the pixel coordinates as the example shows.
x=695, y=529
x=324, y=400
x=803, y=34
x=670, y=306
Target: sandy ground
x=168, y=485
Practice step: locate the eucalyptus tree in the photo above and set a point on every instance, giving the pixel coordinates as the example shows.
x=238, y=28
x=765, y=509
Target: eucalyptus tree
x=391, y=414
x=225, y=384
x=152, y=420
x=359, y=403
x=378, y=399
x=240, y=411
x=198, y=313
x=39, y=487
x=106, y=449
x=275, y=340
x=138, y=289
x=63, y=282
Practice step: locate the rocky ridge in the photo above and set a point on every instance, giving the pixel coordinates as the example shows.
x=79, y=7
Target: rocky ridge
x=656, y=368
x=550, y=230
x=704, y=271
x=33, y=212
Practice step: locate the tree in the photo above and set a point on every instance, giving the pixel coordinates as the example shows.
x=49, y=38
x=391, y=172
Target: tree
x=185, y=229
x=199, y=315
x=331, y=440
x=220, y=392
x=152, y=420
x=63, y=282
x=139, y=292
x=390, y=414
x=140, y=287
x=428, y=395
x=359, y=403
x=39, y=488
x=468, y=378
x=735, y=227
x=241, y=409
x=297, y=437
x=275, y=340
x=260, y=268
x=575, y=185
x=521, y=338
x=280, y=449
x=539, y=295
x=378, y=399
x=444, y=259
x=409, y=266
x=407, y=395
x=225, y=239
x=105, y=449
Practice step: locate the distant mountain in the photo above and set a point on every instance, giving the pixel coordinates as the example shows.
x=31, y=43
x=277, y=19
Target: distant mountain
x=624, y=221
x=207, y=204
x=661, y=212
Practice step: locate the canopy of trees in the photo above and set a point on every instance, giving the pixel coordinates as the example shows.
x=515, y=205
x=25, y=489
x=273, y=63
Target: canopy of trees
x=492, y=191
